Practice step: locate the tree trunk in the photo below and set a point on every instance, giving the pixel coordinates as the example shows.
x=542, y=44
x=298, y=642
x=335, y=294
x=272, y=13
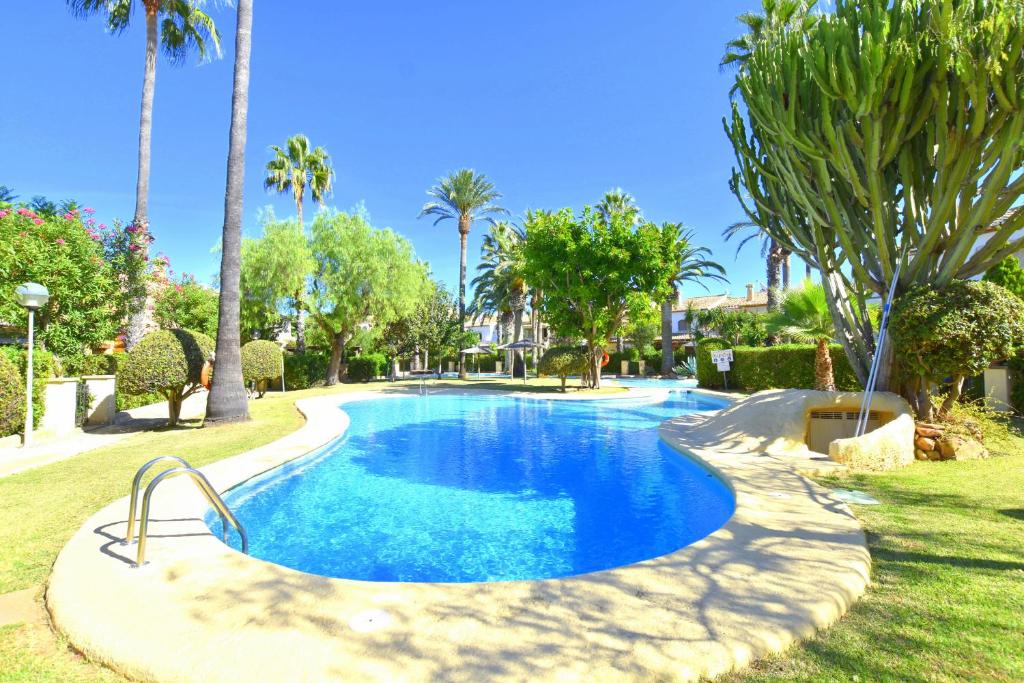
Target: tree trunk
x=298, y=208
x=463, y=235
x=954, y=394
x=808, y=271
x=173, y=408
x=137, y=316
x=785, y=269
x=596, y=354
x=667, y=360
x=518, y=363
x=337, y=352
x=823, y=377
x=227, y=401
x=300, y=329
x=773, y=263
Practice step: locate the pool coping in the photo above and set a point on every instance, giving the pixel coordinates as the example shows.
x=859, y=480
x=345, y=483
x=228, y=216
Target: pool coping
x=790, y=561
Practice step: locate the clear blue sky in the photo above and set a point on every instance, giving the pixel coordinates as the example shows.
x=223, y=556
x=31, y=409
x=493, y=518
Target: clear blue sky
x=555, y=101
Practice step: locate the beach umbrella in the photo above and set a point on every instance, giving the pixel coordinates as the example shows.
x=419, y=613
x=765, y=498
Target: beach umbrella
x=521, y=344
x=475, y=351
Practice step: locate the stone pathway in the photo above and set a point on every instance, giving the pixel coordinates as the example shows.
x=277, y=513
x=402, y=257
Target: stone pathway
x=20, y=607
x=56, y=448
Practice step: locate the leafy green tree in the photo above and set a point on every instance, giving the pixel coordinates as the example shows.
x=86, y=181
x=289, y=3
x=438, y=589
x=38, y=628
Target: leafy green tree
x=886, y=133
x=1007, y=273
x=743, y=327
x=361, y=275
x=957, y=332
x=276, y=269
x=562, y=361
x=7, y=195
x=167, y=362
x=64, y=254
x=436, y=325
x=500, y=285
x=188, y=305
x=228, y=401
x=595, y=273
x=804, y=317
x=297, y=166
x=690, y=263
x=464, y=197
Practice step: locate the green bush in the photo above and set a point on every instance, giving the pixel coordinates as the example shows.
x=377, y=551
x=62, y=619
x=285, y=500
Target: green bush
x=261, y=364
x=12, y=398
x=367, y=366
x=44, y=366
x=562, y=361
x=784, y=366
x=305, y=370
x=89, y=364
x=708, y=376
x=168, y=362
x=1017, y=383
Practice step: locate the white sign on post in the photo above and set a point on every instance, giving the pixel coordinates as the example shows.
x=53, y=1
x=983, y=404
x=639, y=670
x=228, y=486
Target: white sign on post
x=721, y=356
x=723, y=366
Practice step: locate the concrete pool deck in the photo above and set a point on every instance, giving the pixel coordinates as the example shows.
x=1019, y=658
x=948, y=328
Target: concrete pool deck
x=790, y=561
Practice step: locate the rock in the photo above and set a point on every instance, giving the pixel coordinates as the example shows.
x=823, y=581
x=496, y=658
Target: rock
x=954, y=447
x=929, y=425
x=934, y=456
x=928, y=432
x=924, y=443
x=919, y=454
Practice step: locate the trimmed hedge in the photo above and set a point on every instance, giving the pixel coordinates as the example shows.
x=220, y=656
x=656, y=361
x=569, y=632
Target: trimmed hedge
x=90, y=364
x=305, y=370
x=367, y=366
x=562, y=361
x=785, y=366
x=708, y=375
x=169, y=362
x=12, y=398
x=261, y=364
x=45, y=365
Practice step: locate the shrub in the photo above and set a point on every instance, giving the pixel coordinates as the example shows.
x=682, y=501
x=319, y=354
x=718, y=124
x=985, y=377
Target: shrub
x=785, y=366
x=562, y=361
x=367, y=366
x=708, y=375
x=168, y=362
x=90, y=364
x=261, y=364
x=44, y=366
x=12, y=398
x=1017, y=379
x=954, y=332
x=305, y=370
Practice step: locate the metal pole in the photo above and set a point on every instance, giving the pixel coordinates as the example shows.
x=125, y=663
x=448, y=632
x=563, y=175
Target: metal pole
x=27, y=443
x=883, y=326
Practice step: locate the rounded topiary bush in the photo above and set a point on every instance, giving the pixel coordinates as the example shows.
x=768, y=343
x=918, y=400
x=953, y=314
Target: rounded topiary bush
x=167, y=362
x=261, y=364
x=12, y=398
x=562, y=361
x=956, y=332
x=708, y=376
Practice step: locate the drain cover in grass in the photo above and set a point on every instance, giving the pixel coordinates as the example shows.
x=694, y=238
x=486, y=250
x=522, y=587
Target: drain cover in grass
x=857, y=497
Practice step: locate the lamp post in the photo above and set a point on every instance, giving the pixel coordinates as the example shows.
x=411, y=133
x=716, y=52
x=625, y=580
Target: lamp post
x=32, y=296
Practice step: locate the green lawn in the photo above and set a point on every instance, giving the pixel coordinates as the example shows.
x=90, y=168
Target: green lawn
x=946, y=604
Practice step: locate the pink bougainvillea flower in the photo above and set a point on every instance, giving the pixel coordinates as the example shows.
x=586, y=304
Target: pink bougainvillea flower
x=103, y=226
x=89, y=209
x=133, y=247
x=179, y=288
x=69, y=216
x=23, y=211
x=37, y=221
x=60, y=241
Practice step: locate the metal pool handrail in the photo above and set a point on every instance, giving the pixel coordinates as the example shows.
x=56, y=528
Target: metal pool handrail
x=197, y=477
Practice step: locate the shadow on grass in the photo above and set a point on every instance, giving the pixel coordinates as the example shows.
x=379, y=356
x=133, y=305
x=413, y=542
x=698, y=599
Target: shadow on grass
x=1015, y=513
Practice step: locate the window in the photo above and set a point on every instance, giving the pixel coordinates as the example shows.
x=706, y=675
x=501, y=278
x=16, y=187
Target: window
x=681, y=326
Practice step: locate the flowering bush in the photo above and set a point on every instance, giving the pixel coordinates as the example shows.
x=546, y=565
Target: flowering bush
x=185, y=303
x=12, y=398
x=64, y=253
x=126, y=249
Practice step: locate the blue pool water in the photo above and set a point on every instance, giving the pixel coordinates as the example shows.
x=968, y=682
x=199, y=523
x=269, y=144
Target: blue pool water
x=656, y=383
x=450, y=488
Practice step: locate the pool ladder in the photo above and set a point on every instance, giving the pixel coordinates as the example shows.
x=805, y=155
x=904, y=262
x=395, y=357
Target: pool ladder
x=216, y=502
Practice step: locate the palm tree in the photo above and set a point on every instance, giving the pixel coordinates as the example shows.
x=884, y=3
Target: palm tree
x=500, y=278
x=777, y=14
x=227, y=401
x=7, y=194
x=178, y=27
x=296, y=167
x=804, y=317
x=776, y=257
x=691, y=265
x=615, y=202
x=464, y=196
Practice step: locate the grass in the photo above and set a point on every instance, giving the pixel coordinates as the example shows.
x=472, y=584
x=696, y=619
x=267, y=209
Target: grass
x=947, y=595
x=946, y=604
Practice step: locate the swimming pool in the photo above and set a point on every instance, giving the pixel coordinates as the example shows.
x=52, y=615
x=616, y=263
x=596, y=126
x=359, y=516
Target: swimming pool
x=656, y=383
x=466, y=488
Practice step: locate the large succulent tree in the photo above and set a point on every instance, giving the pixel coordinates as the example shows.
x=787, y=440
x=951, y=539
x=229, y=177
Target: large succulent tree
x=888, y=133
x=178, y=28
x=464, y=197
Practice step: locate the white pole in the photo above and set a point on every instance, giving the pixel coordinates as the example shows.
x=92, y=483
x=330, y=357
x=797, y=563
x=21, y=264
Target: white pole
x=282, y=371
x=883, y=328
x=27, y=443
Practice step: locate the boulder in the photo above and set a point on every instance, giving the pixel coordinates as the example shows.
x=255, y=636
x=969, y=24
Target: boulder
x=955, y=447
x=919, y=454
x=925, y=443
x=928, y=431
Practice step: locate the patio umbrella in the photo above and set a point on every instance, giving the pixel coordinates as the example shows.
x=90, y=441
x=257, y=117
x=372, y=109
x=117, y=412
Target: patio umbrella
x=475, y=351
x=521, y=344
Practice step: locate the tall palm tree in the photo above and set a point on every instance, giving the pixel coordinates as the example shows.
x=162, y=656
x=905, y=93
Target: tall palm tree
x=775, y=255
x=296, y=167
x=178, y=28
x=464, y=196
x=500, y=270
x=691, y=265
x=804, y=317
x=776, y=14
x=227, y=401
